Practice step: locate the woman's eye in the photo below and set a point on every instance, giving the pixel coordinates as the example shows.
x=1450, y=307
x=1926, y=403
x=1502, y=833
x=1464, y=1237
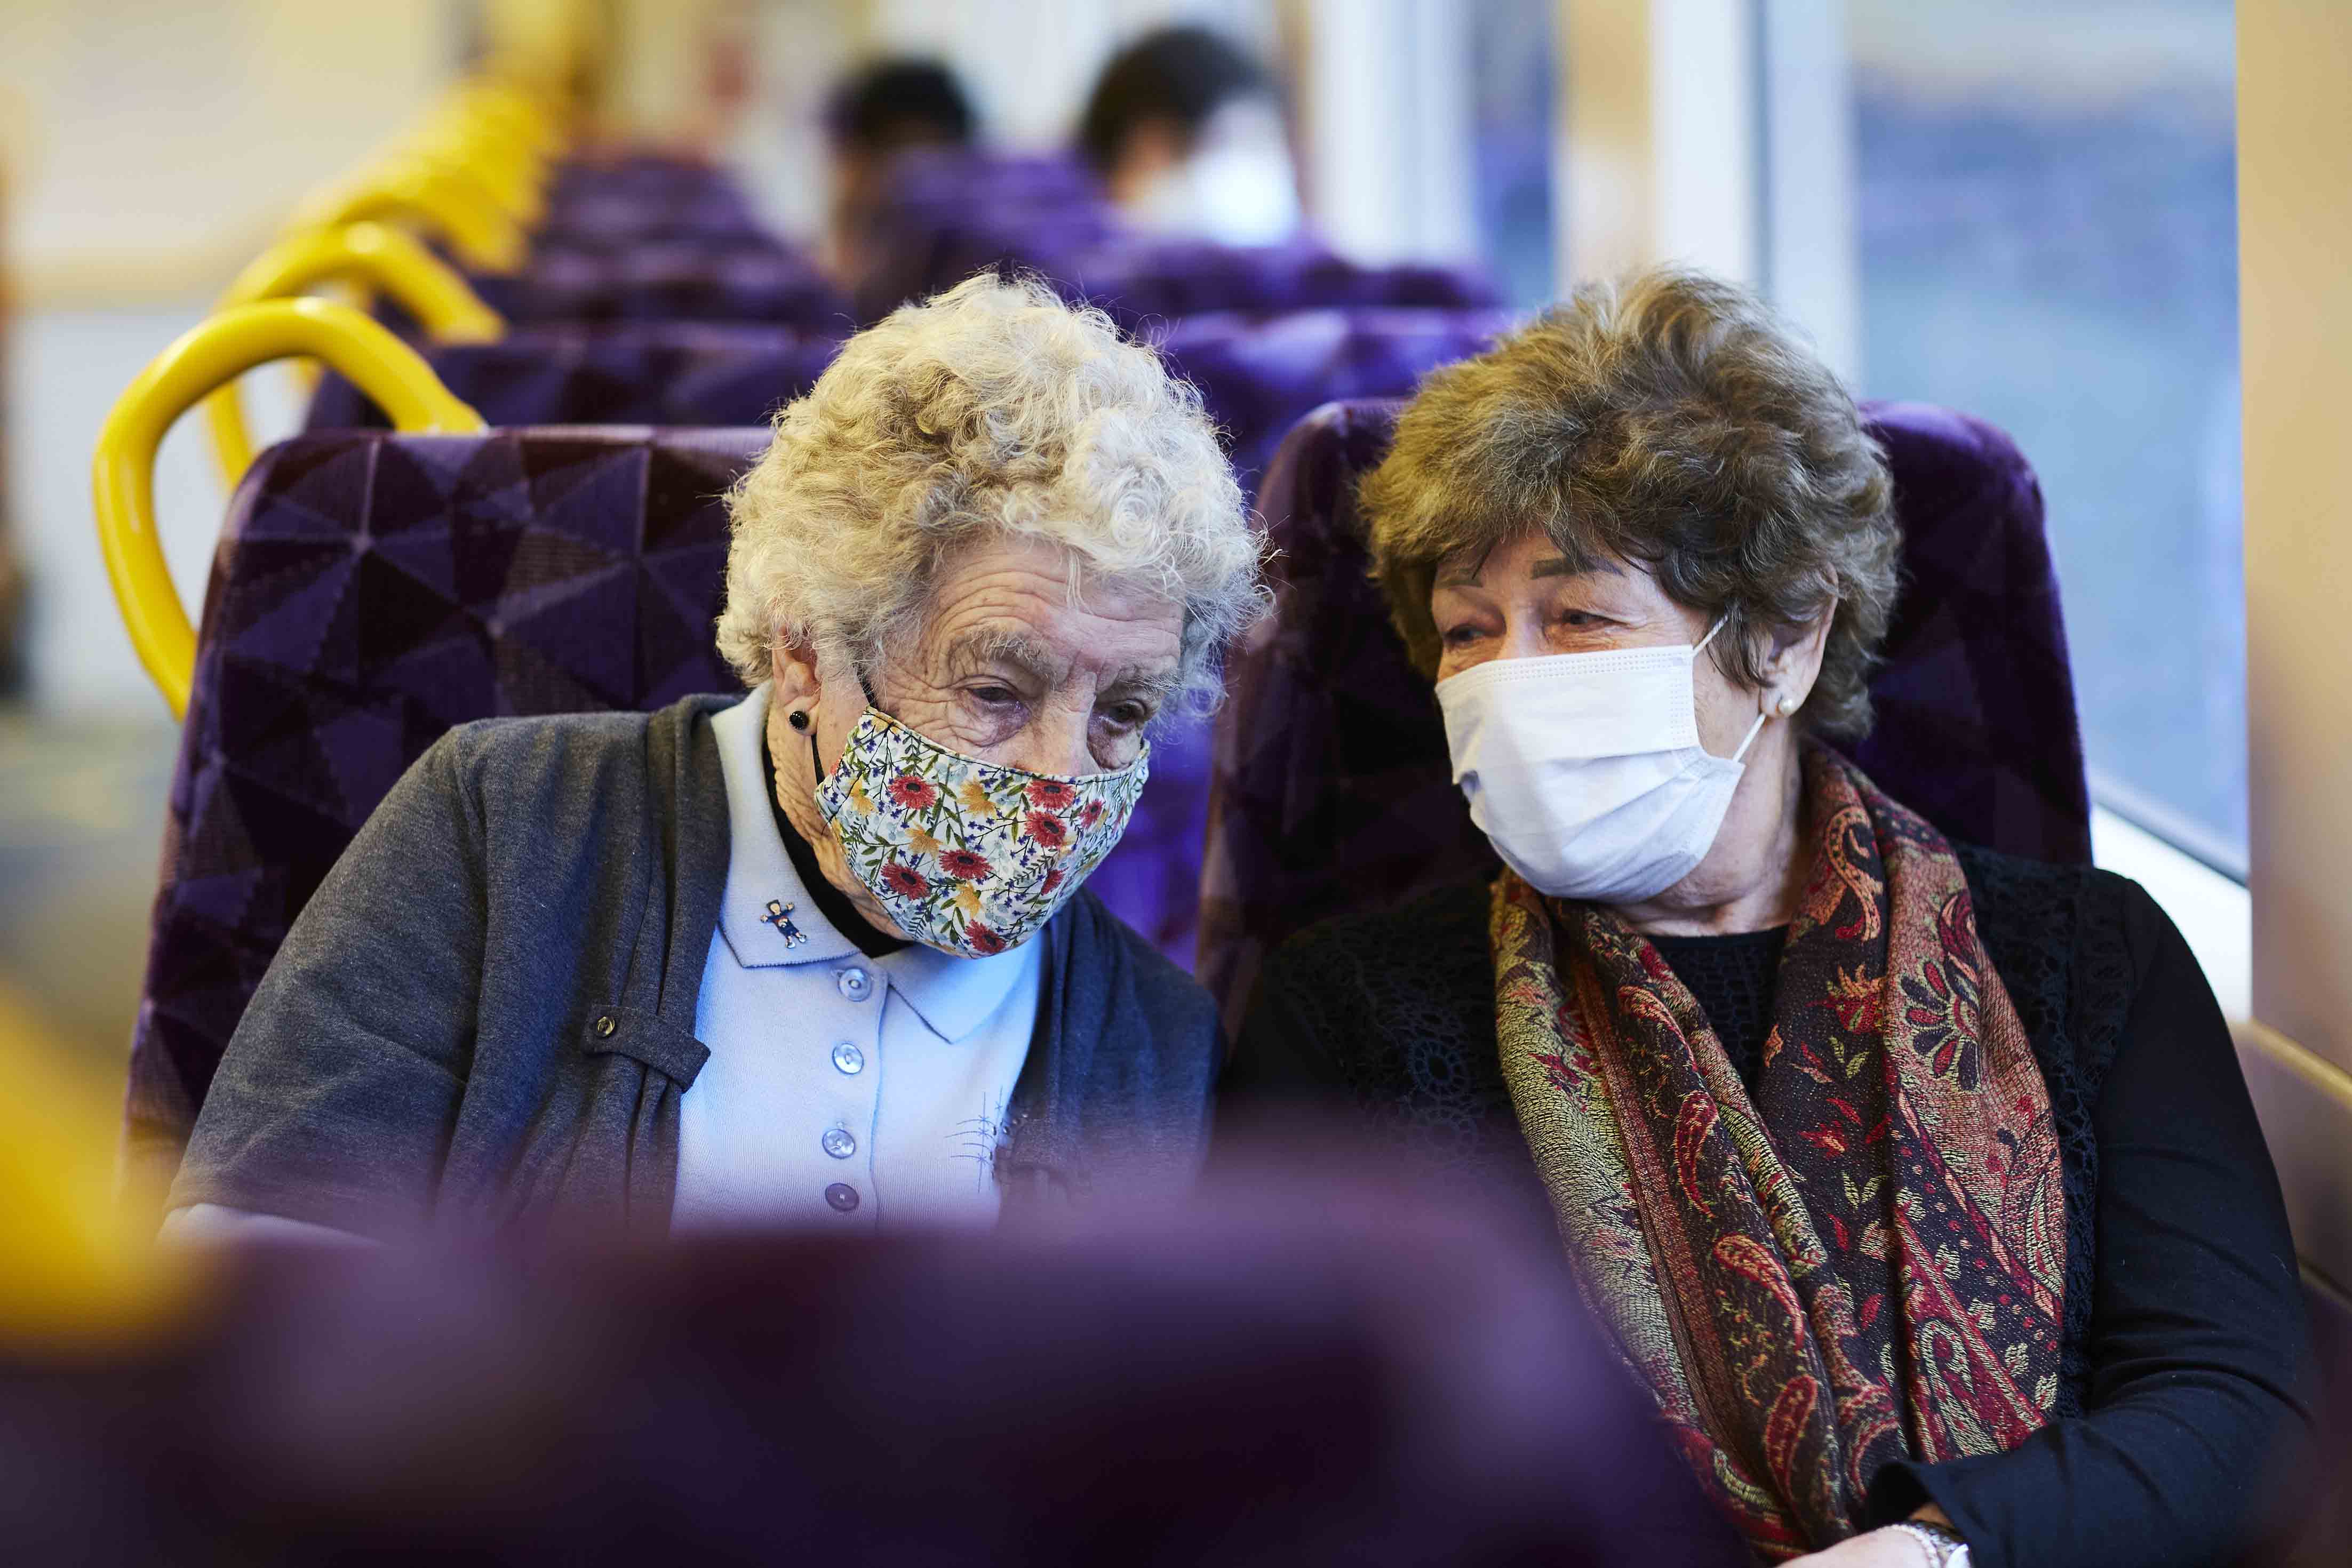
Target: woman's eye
x=1580, y=618
x=1128, y=716
x=996, y=696
x=1458, y=635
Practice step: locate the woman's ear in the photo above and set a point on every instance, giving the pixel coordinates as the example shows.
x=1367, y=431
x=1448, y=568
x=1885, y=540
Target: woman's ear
x=793, y=665
x=1794, y=663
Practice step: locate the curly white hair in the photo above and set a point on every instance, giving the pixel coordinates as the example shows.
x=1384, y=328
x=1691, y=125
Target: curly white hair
x=993, y=409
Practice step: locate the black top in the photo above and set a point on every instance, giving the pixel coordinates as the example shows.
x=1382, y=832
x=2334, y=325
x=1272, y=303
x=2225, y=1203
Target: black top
x=2186, y=1356
x=1733, y=978
x=830, y=901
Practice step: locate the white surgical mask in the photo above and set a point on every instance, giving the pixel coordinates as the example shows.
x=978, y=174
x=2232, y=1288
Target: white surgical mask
x=1584, y=770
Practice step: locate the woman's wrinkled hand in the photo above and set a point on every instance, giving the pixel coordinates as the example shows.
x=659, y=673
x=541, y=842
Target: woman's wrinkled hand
x=1885, y=1547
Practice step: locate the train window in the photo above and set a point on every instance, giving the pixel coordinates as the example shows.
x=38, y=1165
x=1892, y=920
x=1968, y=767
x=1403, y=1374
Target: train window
x=1511, y=60
x=2044, y=199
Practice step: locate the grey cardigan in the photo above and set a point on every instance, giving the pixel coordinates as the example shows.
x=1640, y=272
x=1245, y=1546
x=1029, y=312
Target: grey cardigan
x=485, y=1014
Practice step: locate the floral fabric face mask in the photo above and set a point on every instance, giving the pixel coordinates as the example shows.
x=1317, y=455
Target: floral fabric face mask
x=967, y=856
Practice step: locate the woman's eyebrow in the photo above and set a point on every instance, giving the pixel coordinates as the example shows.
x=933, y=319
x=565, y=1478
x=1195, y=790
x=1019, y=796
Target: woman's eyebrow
x=1463, y=573
x=1153, y=681
x=977, y=651
x=1561, y=566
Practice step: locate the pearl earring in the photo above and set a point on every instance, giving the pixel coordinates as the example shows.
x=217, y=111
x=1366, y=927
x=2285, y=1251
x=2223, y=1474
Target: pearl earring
x=1787, y=704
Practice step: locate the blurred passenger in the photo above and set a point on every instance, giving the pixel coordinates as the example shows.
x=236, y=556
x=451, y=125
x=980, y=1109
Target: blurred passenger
x=818, y=956
x=1188, y=133
x=1919, y=1182
x=884, y=109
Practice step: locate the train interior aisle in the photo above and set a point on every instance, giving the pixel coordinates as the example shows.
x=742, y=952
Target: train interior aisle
x=375, y=369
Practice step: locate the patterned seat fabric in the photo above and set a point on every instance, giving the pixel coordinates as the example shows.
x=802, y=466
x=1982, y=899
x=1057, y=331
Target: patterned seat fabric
x=669, y=373
x=936, y=196
x=745, y=279
x=1140, y=282
x=644, y=196
x=1258, y=375
x=948, y=216
x=1261, y=374
x=1333, y=790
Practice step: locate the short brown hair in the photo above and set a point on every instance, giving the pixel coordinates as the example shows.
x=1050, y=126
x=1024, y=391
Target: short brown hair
x=1667, y=418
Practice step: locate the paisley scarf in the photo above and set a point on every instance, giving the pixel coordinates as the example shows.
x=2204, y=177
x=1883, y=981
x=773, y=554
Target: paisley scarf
x=1866, y=1261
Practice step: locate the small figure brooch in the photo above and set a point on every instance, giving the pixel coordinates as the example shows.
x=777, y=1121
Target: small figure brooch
x=780, y=915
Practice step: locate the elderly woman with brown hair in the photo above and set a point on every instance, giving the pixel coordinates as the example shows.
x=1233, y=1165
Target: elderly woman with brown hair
x=1916, y=1182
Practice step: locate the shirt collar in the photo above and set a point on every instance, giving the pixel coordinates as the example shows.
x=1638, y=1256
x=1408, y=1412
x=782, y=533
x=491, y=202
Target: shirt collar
x=953, y=995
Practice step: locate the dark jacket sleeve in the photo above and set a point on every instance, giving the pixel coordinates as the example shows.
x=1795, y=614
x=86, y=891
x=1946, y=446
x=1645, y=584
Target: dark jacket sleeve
x=336, y=1097
x=2199, y=1368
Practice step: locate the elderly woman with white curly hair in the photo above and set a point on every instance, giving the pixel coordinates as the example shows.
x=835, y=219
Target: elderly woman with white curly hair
x=817, y=956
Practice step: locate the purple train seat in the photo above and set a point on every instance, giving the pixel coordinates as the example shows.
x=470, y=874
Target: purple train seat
x=1333, y=790
x=947, y=217
x=749, y=279
x=615, y=222
x=591, y=204
x=372, y=590
x=1323, y=1362
x=635, y=173
x=1260, y=374
x=1139, y=281
x=666, y=372
x=920, y=232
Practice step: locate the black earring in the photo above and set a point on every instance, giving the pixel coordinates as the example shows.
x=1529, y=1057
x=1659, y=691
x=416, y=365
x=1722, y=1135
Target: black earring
x=798, y=718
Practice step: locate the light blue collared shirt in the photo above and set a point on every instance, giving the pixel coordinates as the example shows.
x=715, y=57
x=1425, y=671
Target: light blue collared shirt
x=842, y=1090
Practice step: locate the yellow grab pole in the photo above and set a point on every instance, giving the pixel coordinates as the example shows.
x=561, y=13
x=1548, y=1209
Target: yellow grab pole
x=384, y=257
x=213, y=354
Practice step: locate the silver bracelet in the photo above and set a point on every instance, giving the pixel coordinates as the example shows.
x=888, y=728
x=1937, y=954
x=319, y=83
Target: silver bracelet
x=1941, y=1547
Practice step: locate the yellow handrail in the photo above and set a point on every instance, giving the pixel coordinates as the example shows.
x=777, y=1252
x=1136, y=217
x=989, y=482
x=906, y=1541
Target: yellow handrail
x=417, y=189
x=522, y=112
x=448, y=310
x=509, y=173
x=214, y=353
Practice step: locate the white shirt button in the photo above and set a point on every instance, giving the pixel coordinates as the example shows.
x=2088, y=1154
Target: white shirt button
x=841, y=1195
x=856, y=984
x=848, y=1058
x=838, y=1142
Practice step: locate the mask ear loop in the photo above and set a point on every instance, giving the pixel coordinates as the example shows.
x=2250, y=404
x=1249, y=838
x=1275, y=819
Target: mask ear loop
x=806, y=723
x=1753, y=730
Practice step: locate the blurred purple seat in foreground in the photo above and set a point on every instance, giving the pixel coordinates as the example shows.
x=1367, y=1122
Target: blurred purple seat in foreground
x=1283, y=1375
